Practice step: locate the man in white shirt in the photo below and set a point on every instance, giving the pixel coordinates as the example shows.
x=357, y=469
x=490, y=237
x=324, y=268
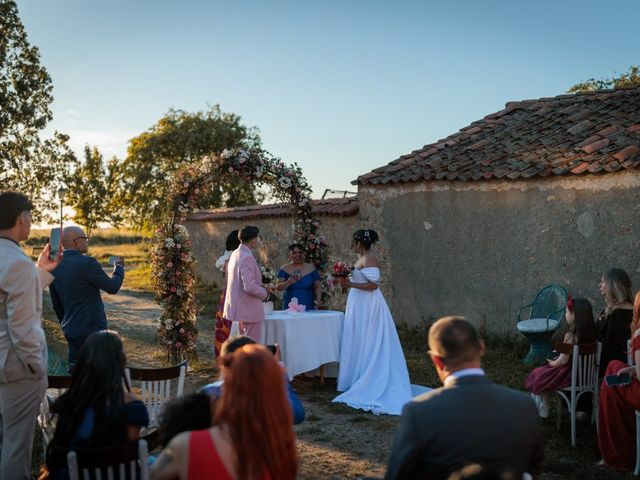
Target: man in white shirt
x=470, y=420
x=23, y=348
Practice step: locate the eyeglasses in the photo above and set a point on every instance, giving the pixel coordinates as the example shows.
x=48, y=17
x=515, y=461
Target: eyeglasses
x=83, y=237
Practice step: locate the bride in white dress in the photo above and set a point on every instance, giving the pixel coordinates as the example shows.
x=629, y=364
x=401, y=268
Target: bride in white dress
x=373, y=372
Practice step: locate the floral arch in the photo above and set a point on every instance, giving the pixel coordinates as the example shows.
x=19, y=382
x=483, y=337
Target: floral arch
x=171, y=259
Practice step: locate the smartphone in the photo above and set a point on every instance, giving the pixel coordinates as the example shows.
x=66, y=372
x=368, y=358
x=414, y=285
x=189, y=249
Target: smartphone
x=272, y=348
x=617, y=380
x=112, y=260
x=54, y=243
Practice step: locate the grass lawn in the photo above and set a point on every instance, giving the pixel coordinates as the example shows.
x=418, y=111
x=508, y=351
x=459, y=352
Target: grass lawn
x=364, y=439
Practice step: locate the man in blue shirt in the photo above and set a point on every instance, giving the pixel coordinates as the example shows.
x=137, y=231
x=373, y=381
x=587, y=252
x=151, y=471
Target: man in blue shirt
x=75, y=292
x=214, y=389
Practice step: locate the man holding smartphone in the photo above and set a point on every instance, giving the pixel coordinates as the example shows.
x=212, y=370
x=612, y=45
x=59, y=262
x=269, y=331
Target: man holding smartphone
x=23, y=348
x=75, y=293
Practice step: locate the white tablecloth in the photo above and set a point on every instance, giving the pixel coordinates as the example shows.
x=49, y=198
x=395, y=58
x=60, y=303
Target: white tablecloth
x=307, y=340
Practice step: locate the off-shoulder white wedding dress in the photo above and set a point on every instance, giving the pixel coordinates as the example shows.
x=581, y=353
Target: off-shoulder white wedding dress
x=373, y=372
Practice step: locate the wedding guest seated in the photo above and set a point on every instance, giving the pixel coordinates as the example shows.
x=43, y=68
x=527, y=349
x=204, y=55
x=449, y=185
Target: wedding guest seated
x=469, y=420
x=614, y=321
x=183, y=414
x=249, y=439
x=300, y=280
x=556, y=374
x=99, y=409
x=617, y=406
x=231, y=345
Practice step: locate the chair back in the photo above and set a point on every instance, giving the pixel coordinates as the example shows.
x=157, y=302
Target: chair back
x=550, y=303
x=56, y=386
x=126, y=461
x=155, y=386
x=584, y=367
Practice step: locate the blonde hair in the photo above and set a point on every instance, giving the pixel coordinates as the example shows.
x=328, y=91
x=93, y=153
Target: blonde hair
x=617, y=289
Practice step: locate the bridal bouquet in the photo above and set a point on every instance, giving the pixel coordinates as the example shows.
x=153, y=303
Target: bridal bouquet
x=340, y=269
x=268, y=277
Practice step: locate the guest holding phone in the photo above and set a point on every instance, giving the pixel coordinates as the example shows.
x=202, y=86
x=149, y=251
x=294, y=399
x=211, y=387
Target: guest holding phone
x=300, y=280
x=75, y=292
x=616, y=411
x=23, y=347
x=556, y=373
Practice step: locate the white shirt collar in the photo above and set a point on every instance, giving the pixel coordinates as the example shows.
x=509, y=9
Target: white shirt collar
x=465, y=372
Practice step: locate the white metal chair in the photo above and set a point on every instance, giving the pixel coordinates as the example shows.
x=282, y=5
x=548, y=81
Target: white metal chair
x=585, y=361
x=56, y=386
x=127, y=461
x=155, y=387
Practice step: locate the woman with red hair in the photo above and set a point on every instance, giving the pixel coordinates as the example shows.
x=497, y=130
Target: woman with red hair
x=252, y=437
x=616, y=412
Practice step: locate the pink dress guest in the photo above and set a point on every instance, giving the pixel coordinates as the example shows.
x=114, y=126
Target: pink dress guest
x=617, y=418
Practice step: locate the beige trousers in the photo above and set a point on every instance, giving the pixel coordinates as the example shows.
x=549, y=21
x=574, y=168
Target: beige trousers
x=19, y=407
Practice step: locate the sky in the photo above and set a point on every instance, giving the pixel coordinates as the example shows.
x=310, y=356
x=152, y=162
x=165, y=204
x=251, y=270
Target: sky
x=339, y=87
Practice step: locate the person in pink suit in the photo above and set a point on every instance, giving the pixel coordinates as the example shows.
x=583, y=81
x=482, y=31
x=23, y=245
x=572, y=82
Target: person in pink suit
x=245, y=291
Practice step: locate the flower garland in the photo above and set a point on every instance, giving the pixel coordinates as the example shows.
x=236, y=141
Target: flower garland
x=171, y=258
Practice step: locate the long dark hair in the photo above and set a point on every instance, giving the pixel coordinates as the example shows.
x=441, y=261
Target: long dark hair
x=232, y=241
x=98, y=382
x=584, y=327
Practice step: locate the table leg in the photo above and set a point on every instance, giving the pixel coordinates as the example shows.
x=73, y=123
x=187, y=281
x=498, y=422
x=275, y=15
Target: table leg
x=322, y=375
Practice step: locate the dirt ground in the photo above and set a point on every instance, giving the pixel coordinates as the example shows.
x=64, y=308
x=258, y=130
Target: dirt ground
x=334, y=441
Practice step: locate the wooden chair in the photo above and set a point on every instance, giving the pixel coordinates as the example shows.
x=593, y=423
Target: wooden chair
x=543, y=319
x=155, y=386
x=126, y=461
x=56, y=386
x=585, y=361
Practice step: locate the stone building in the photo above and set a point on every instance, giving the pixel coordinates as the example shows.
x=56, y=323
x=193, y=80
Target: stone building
x=209, y=229
x=543, y=191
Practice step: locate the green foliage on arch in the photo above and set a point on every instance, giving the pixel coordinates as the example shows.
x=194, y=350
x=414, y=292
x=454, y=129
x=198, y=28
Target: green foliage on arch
x=172, y=261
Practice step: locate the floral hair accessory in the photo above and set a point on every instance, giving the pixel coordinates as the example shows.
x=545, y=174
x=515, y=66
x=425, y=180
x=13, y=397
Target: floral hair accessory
x=570, y=303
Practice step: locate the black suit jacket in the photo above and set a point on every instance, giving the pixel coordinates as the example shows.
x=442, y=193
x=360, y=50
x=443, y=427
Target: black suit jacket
x=471, y=421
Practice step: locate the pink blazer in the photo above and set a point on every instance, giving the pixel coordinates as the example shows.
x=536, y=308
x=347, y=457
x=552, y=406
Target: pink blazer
x=245, y=293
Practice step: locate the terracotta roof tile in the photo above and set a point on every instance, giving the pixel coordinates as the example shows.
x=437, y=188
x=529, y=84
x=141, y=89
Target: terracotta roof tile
x=569, y=134
x=595, y=146
x=631, y=150
x=340, y=207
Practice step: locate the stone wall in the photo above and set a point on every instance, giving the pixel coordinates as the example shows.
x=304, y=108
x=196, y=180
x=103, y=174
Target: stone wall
x=483, y=249
x=208, y=239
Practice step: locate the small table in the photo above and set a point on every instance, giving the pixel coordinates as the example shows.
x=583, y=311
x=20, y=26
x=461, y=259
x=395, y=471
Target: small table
x=307, y=340
x=539, y=332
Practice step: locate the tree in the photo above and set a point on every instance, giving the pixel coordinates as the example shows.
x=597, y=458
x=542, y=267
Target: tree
x=89, y=192
x=180, y=138
x=626, y=80
x=27, y=162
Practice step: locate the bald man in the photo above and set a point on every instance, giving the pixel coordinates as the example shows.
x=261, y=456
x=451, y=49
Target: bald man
x=75, y=292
